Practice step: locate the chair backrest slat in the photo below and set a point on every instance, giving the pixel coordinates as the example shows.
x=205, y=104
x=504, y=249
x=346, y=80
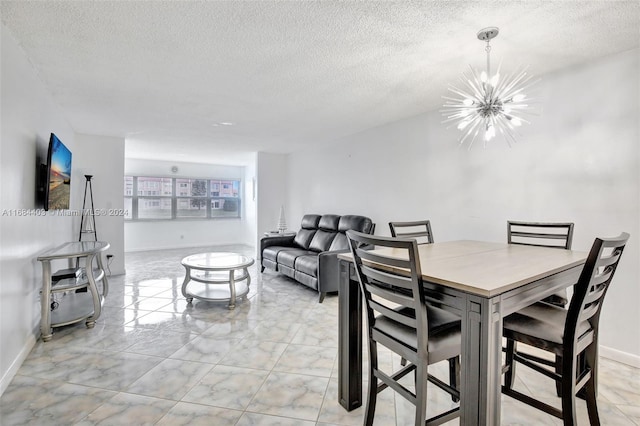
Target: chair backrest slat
x=387, y=277
x=539, y=235
x=594, y=281
x=394, y=295
x=544, y=234
x=394, y=315
x=386, y=260
x=609, y=260
x=589, y=311
x=420, y=230
x=601, y=277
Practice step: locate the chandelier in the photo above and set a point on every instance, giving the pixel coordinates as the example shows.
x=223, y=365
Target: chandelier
x=487, y=103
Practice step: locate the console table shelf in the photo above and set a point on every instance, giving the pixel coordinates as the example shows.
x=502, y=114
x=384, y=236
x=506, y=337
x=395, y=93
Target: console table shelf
x=74, y=305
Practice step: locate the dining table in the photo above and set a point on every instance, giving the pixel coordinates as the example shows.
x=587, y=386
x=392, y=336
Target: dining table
x=480, y=281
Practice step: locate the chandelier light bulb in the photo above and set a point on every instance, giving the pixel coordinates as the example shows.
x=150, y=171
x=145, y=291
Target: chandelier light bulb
x=485, y=103
x=489, y=133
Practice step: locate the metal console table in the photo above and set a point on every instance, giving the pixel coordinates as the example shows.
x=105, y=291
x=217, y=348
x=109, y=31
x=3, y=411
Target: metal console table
x=80, y=298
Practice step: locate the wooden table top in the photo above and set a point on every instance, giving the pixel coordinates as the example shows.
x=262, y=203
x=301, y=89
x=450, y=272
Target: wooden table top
x=488, y=269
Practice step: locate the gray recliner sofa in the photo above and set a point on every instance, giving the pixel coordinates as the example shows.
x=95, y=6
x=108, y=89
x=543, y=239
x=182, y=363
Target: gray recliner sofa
x=311, y=256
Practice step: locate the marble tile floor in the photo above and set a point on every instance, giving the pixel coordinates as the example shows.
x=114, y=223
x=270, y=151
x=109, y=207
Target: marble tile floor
x=154, y=360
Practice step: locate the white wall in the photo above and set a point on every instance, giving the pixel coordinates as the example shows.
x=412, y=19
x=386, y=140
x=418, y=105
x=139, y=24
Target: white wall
x=251, y=203
x=147, y=235
x=272, y=185
x=578, y=161
x=103, y=157
x=28, y=116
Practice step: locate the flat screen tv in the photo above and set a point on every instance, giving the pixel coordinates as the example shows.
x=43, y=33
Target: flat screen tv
x=57, y=188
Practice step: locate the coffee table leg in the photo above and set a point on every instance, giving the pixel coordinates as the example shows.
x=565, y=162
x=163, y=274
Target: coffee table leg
x=187, y=277
x=232, y=290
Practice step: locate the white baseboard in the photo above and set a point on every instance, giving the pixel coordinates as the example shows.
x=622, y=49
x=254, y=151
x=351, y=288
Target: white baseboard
x=17, y=363
x=619, y=356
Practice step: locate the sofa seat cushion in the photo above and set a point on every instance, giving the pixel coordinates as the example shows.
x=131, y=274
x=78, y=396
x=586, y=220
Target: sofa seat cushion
x=288, y=257
x=271, y=252
x=308, y=264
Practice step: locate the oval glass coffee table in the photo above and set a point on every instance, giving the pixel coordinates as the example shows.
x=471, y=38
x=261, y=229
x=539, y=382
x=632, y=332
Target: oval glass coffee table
x=217, y=276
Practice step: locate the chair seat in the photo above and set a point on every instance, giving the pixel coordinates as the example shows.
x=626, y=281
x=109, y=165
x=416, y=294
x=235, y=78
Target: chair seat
x=444, y=332
x=540, y=325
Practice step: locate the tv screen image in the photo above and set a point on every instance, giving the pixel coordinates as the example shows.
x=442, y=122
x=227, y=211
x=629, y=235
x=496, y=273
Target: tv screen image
x=58, y=188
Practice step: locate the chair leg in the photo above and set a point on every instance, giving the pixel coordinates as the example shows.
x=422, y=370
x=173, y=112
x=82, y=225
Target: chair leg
x=569, y=415
x=592, y=405
x=321, y=298
x=421, y=394
x=559, y=371
x=454, y=375
x=261, y=269
x=373, y=384
x=510, y=374
x=590, y=389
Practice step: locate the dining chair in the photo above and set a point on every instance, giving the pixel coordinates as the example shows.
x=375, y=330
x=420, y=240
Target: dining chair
x=398, y=318
x=571, y=334
x=543, y=234
x=420, y=230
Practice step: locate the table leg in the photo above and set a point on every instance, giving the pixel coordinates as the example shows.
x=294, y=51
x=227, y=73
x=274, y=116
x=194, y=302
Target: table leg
x=232, y=289
x=481, y=362
x=349, y=340
x=45, y=302
x=187, y=277
x=93, y=288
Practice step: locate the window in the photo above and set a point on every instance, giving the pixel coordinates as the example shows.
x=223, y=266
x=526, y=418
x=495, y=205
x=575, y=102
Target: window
x=162, y=198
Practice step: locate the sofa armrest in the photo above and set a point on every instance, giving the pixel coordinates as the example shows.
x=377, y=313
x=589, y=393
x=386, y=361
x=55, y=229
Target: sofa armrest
x=328, y=270
x=276, y=240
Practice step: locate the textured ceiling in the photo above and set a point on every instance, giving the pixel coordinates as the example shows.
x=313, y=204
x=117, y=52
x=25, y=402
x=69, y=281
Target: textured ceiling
x=166, y=74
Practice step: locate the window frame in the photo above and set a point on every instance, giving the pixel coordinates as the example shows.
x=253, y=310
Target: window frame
x=174, y=197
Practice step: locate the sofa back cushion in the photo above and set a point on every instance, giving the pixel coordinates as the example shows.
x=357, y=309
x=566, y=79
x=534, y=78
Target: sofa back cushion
x=309, y=227
x=356, y=223
x=322, y=240
x=328, y=228
x=310, y=221
x=339, y=242
x=327, y=232
x=329, y=222
x=346, y=223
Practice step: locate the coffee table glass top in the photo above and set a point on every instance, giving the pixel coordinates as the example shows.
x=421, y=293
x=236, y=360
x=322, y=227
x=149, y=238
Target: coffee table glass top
x=217, y=260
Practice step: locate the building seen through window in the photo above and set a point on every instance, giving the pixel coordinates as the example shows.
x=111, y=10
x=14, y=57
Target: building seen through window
x=163, y=198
